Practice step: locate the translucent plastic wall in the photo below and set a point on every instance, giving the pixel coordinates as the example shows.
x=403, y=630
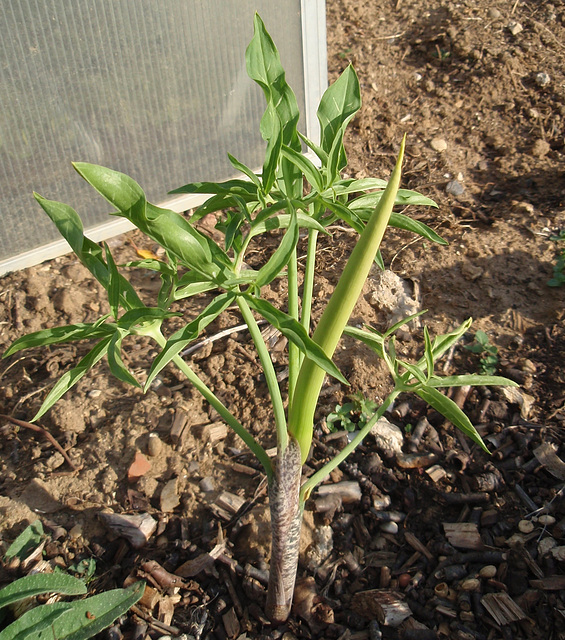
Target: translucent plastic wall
x=156, y=89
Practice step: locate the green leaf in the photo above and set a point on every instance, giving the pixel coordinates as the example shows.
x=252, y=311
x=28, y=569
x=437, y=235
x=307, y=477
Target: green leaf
x=372, y=339
x=296, y=333
x=78, y=620
x=273, y=151
x=239, y=166
x=278, y=261
x=315, y=148
x=400, y=221
x=338, y=105
x=34, y=584
x=475, y=380
x=428, y=353
x=242, y=188
x=178, y=341
x=344, y=213
x=451, y=411
x=113, y=284
x=115, y=362
x=265, y=68
x=351, y=185
x=442, y=343
x=36, y=624
x=305, y=165
x=58, y=335
x=395, y=327
x=89, y=253
x=132, y=320
x=168, y=228
x=28, y=540
x=404, y=197
x=283, y=220
x=70, y=378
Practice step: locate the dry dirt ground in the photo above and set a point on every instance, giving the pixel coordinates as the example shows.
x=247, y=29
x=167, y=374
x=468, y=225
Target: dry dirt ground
x=479, y=89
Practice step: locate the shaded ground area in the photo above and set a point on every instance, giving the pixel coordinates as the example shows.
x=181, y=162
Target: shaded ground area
x=470, y=546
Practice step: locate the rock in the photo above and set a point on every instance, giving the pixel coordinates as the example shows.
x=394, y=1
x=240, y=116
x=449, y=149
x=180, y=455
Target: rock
x=154, y=445
x=137, y=529
x=169, y=497
x=515, y=28
x=543, y=79
x=540, y=148
x=455, y=188
x=394, y=295
x=471, y=271
x=139, y=467
x=389, y=438
x=494, y=14
x=438, y=144
x=207, y=484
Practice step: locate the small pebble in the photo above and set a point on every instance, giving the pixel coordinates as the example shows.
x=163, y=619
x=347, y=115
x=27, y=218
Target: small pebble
x=154, y=445
x=494, y=14
x=526, y=526
x=543, y=79
x=207, y=484
x=546, y=520
x=94, y=393
x=470, y=584
x=540, y=148
x=515, y=28
x=455, y=188
x=404, y=580
x=438, y=144
x=75, y=532
x=487, y=572
x=169, y=497
x=558, y=553
x=545, y=546
x=389, y=527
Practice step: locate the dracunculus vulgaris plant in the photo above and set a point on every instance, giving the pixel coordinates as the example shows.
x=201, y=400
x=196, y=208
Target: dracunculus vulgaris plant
x=289, y=194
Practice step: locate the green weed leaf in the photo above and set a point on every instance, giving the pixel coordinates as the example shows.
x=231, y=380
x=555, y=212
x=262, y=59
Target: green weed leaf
x=28, y=540
x=34, y=584
x=474, y=380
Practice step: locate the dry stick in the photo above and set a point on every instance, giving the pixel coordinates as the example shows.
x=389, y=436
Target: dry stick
x=217, y=336
x=35, y=427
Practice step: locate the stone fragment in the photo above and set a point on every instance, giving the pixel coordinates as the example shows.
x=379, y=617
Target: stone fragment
x=540, y=148
x=543, y=79
x=169, y=497
x=455, y=188
x=139, y=467
x=137, y=529
x=388, y=437
x=494, y=14
x=395, y=296
x=515, y=28
x=471, y=271
x=207, y=484
x=438, y=144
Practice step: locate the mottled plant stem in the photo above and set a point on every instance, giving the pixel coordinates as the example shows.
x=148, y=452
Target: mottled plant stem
x=286, y=521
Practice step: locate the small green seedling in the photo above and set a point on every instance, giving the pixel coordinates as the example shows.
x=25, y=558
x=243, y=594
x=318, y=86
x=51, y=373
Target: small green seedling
x=488, y=362
x=61, y=620
x=353, y=415
x=558, y=279
x=272, y=200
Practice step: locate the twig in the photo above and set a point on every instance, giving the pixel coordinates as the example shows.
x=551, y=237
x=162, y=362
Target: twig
x=217, y=336
x=38, y=429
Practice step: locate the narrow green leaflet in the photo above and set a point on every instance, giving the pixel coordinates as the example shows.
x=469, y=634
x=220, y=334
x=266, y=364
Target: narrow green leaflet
x=34, y=584
x=58, y=335
x=242, y=188
x=338, y=105
x=404, y=197
x=70, y=378
x=113, y=284
x=89, y=253
x=273, y=151
x=372, y=339
x=134, y=320
x=265, y=68
x=178, y=341
x=283, y=220
x=115, y=362
x=428, y=353
x=239, y=166
x=296, y=333
x=278, y=261
x=475, y=380
x=341, y=211
x=451, y=411
x=352, y=185
x=400, y=221
x=310, y=171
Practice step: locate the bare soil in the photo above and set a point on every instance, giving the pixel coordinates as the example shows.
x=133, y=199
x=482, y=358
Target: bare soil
x=479, y=89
